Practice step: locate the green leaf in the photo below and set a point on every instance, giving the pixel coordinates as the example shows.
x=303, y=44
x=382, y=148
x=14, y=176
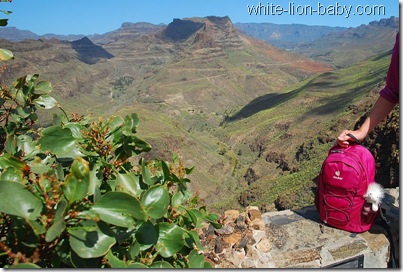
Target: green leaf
x=196, y=260
x=37, y=227
x=23, y=112
x=11, y=174
x=6, y=11
x=161, y=264
x=196, y=217
x=131, y=123
x=24, y=266
x=60, y=142
x=79, y=262
x=177, y=200
x=77, y=182
x=165, y=171
x=146, y=235
x=114, y=261
x=137, y=265
x=134, y=250
x=128, y=183
x=4, y=53
x=8, y=160
x=156, y=201
x=90, y=239
x=170, y=239
x=212, y=218
x=43, y=87
x=59, y=225
x=26, y=144
x=45, y=101
x=193, y=239
x=120, y=209
x=75, y=130
x=16, y=200
x=146, y=174
x=95, y=182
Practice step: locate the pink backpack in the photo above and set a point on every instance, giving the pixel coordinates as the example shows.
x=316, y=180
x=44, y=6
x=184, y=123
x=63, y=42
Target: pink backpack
x=343, y=180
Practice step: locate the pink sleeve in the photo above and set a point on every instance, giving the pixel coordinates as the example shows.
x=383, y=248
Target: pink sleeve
x=391, y=91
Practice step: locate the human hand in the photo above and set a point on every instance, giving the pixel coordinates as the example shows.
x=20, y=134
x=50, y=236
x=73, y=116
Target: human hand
x=344, y=139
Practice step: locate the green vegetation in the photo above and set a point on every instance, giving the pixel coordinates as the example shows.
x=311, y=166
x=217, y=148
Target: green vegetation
x=72, y=195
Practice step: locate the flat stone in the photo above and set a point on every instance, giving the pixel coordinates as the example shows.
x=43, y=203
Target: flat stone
x=348, y=250
x=296, y=258
x=233, y=238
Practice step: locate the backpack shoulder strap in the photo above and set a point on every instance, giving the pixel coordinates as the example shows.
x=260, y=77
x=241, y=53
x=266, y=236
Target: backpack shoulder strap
x=354, y=138
x=383, y=223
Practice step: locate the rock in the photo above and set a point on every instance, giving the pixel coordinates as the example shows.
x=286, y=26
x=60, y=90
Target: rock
x=230, y=216
x=293, y=239
x=253, y=213
x=258, y=224
x=264, y=245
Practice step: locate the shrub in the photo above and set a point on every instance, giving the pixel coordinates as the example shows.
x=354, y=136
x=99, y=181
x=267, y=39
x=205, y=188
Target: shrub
x=72, y=196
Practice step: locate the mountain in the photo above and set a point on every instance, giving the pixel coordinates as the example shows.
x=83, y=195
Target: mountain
x=286, y=36
x=335, y=45
x=354, y=44
x=88, y=52
x=254, y=120
x=128, y=31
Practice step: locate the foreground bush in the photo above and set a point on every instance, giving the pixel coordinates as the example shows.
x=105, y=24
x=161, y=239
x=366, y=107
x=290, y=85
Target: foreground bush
x=73, y=195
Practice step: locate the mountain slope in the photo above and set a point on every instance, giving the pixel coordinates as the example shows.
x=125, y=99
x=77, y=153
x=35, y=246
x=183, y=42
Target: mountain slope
x=355, y=44
x=234, y=107
x=293, y=130
x=340, y=47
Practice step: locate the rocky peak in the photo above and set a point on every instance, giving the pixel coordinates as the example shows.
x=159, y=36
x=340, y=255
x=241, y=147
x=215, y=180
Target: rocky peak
x=89, y=52
x=180, y=29
x=208, y=32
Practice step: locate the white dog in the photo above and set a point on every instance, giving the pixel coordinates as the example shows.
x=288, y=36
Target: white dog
x=374, y=195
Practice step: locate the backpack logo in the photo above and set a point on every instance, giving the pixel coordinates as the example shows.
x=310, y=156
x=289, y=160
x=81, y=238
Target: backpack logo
x=337, y=175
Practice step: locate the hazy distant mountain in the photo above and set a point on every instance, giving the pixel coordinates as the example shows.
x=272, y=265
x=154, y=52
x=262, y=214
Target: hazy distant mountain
x=287, y=36
x=355, y=44
x=15, y=35
x=133, y=30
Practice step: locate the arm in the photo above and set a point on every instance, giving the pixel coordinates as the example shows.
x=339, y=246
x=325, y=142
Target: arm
x=389, y=97
x=380, y=110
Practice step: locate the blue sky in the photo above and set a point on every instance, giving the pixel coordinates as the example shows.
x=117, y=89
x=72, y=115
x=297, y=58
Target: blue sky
x=101, y=16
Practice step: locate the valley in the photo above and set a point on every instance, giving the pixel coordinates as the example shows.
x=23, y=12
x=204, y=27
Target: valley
x=254, y=120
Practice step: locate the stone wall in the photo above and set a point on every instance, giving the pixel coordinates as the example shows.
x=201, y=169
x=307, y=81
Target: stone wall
x=297, y=239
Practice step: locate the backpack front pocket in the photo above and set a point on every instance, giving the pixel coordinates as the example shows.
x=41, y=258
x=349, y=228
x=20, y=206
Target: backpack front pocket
x=337, y=204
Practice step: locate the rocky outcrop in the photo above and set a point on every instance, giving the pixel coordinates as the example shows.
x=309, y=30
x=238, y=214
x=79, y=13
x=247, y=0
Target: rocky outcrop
x=181, y=29
x=297, y=239
x=89, y=52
